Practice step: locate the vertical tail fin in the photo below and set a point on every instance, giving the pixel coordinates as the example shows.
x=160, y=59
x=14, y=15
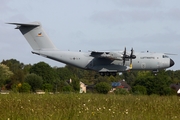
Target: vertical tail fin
x=35, y=35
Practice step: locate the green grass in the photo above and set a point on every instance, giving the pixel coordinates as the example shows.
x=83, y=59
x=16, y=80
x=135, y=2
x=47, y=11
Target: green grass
x=88, y=107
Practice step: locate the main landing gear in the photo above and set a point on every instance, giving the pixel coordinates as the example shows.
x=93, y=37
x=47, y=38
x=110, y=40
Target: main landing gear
x=107, y=73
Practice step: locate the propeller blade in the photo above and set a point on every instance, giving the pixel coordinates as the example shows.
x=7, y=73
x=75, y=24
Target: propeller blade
x=124, y=51
x=131, y=57
x=124, y=56
x=131, y=52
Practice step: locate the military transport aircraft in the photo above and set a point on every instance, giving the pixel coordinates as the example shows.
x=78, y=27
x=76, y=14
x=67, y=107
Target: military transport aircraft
x=105, y=62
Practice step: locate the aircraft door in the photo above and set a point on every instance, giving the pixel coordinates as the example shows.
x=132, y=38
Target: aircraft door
x=158, y=65
x=143, y=65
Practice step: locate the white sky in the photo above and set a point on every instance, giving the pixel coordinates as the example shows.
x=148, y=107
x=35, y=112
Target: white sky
x=152, y=25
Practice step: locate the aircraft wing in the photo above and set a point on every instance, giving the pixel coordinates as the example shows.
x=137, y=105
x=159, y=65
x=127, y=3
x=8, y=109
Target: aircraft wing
x=107, y=55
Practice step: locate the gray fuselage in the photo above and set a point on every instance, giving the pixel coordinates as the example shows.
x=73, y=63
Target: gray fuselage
x=143, y=61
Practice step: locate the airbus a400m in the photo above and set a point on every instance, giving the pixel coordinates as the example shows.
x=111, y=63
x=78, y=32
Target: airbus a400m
x=106, y=63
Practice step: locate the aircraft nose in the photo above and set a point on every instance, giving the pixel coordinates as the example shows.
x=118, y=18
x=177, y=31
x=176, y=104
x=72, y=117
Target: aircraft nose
x=171, y=62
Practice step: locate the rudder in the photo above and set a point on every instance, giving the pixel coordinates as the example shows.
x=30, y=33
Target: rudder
x=35, y=35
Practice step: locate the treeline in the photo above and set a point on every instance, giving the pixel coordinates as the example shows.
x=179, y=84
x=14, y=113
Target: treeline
x=20, y=77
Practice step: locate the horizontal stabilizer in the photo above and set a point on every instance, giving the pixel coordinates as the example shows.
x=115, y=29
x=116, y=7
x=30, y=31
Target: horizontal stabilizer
x=34, y=24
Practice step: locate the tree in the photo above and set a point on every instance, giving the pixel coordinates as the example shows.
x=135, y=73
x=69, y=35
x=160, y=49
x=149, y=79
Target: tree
x=42, y=69
x=103, y=79
x=103, y=87
x=26, y=69
x=17, y=68
x=75, y=84
x=34, y=81
x=174, y=75
x=112, y=79
x=18, y=77
x=154, y=84
x=130, y=77
x=5, y=74
x=25, y=87
x=47, y=87
x=64, y=73
x=13, y=64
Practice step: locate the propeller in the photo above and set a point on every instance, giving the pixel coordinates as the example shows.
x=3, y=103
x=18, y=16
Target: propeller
x=125, y=56
x=132, y=56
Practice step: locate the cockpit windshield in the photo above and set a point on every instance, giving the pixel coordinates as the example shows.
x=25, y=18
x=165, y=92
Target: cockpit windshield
x=165, y=56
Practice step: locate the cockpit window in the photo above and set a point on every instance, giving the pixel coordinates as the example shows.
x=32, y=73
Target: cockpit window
x=165, y=56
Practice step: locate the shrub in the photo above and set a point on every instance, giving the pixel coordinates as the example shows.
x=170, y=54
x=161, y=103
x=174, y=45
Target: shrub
x=121, y=91
x=47, y=87
x=34, y=81
x=103, y=87
x=25, y=87
x=140, y=90
x=67, y=88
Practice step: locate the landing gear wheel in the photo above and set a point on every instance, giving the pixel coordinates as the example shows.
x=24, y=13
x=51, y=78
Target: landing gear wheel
x=108, y=74
x=113, y=74
x=102, y=73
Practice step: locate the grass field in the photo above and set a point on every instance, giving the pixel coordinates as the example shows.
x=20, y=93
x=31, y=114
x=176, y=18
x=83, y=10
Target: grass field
x=88, y=107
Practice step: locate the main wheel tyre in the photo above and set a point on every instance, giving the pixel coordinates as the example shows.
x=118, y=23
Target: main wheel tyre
x=108, y=74
x=114, y=74
x=102, y=74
